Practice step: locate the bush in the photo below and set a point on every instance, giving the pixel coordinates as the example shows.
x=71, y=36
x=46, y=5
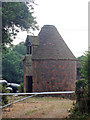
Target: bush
x=80, y=108
x=4, y=97
x=77, y=115
x=82, y=95
x=21, y=88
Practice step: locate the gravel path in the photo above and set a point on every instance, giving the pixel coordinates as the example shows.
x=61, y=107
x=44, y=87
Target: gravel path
x=39, y=108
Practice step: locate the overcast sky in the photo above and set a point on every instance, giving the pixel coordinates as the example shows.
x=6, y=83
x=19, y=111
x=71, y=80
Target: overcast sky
x=70, y=18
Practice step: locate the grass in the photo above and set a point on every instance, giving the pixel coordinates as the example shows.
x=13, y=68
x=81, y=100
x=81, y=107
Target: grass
x=31, y=111
x=34, y=99
x=39, y=119
x=45, y=99
x=14, y=98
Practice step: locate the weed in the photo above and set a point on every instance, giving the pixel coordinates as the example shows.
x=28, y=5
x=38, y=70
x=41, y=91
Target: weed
x=32, y=111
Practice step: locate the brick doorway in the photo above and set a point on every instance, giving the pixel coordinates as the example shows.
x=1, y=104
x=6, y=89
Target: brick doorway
x=29, y=83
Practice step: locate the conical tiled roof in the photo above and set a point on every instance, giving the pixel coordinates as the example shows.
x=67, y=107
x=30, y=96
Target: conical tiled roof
x=51, y=45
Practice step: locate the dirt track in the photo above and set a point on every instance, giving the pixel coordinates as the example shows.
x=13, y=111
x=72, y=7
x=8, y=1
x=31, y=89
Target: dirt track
x=39, y=108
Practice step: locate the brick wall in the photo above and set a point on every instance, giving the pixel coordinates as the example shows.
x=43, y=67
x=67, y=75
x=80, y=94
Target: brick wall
x=54, y=75
x=27, y=67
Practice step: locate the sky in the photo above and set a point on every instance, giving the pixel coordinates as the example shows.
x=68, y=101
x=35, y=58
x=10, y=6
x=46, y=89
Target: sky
x=70, y=17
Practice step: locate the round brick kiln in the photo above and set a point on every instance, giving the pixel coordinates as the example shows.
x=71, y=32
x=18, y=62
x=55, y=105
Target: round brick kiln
x=53, y=64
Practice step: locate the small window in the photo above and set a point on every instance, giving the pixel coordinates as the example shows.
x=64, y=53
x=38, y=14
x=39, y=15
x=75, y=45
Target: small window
x=29, y=49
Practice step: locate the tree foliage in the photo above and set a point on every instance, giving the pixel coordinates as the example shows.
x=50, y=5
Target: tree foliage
x=16, y=15
x=85, y=71
x=21, y=87
x=20, y=48
x=84, y=67
x=12, y=68
x=80, y=58
x=4, y=97
x=81, y=109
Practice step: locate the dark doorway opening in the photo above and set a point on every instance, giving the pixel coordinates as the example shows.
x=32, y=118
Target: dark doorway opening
x=29, y=83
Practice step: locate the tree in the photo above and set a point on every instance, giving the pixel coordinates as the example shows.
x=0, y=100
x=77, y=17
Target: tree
x=20, y=48
x=84, y=67
x=11, y=67
x=16, y=15
x=85, y=84
x=80, y=58
x=82, y=108
x=85, y=71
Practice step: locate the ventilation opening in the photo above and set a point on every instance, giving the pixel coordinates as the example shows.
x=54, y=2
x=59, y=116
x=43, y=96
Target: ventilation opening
x=28, y=83
x=29, y=49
